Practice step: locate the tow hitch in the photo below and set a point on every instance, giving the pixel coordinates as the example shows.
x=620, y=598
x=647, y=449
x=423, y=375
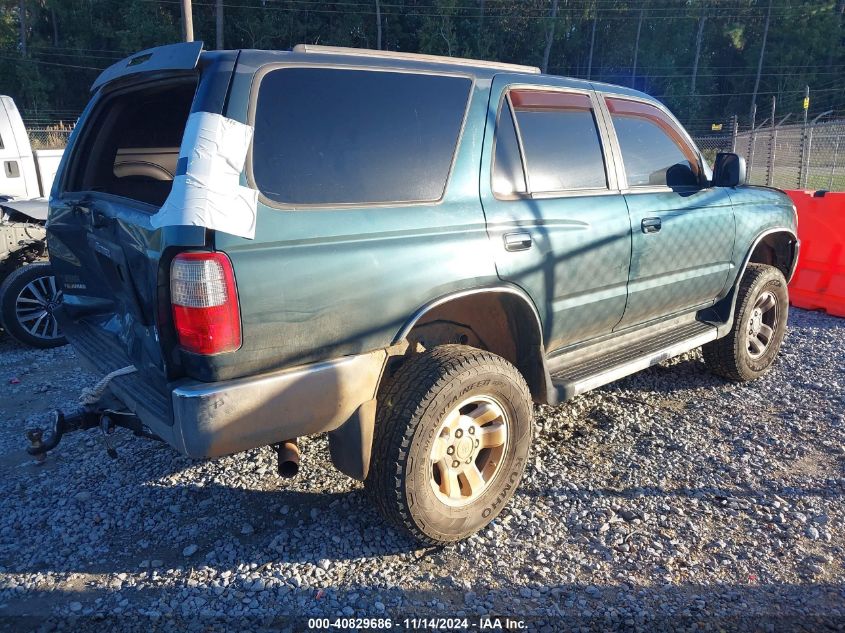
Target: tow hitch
x=92, y=413
x=81, y=420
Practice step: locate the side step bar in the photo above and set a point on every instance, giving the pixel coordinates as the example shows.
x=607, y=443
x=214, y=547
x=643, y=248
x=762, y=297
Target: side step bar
x=588, y=369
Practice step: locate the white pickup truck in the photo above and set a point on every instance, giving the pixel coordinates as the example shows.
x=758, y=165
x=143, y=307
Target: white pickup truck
x=28, y=291
x=27, y=174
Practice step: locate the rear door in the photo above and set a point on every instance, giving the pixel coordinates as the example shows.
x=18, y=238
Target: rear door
x=682, y=229
x=113, y=265
x=558, y=224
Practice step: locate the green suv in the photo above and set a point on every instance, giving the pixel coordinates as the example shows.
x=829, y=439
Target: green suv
x=402, y=251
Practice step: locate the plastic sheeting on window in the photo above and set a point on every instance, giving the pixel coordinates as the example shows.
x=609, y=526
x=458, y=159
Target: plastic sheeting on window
x=206, y=190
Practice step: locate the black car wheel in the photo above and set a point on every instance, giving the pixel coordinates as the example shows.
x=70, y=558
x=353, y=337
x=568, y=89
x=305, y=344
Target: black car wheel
x=28, y=299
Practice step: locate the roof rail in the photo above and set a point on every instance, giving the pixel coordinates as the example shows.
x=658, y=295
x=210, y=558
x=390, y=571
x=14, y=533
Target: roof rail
x=433, y=59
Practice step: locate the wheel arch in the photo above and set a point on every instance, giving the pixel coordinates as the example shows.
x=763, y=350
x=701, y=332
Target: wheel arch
x=501, y=319
x=777, y=246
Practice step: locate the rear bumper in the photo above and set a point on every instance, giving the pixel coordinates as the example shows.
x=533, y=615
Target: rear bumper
x=209, y=419
x=226, y=417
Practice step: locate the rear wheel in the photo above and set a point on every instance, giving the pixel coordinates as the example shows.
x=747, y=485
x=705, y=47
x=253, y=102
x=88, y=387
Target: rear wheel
x=762, y=309
x=453, y=432
x=28, y=298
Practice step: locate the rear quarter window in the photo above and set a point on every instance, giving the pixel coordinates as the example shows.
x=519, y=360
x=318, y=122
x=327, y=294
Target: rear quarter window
x=327, y=136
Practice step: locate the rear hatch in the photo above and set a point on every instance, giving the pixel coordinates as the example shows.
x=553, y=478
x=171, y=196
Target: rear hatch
x=117, y=171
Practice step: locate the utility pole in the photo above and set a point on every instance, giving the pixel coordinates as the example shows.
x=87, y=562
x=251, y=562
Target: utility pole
x=592, y=43
x=218, y=14
x=378, y=25
x=55, y=22
x=837, y=33
x=187, y=21
x=22, y=21
x=698, y=39
x=637, y=47
x=550, y=36
x=480, y=44
x=762, y=54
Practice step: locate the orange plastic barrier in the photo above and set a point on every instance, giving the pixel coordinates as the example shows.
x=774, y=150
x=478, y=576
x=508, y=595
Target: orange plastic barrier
x=819, y=281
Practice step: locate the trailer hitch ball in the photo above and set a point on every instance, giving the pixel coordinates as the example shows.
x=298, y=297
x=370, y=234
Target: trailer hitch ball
x=39, y=445
x=35, y=444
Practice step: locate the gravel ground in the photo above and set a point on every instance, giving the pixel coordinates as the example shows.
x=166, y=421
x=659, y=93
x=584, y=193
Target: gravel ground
x=671, y=499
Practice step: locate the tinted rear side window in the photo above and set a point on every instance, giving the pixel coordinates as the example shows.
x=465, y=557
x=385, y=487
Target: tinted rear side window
x=560, y=140
x=333, y=136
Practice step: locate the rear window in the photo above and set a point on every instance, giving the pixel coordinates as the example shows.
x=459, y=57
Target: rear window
x=326, y=136
x=562, y=146
x=130, y=145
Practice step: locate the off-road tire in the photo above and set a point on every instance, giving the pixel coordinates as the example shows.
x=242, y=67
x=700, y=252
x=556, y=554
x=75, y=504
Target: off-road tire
x=411, y=405
x=9, y=292
x=729, y=356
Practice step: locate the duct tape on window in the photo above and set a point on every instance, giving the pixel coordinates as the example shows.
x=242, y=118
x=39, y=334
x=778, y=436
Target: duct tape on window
x=207, y=188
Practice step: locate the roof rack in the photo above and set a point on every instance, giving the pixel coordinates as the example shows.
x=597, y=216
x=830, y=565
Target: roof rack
x=433, y=59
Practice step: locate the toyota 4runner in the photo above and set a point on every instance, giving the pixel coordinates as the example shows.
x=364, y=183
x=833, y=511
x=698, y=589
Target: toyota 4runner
x=402, y=251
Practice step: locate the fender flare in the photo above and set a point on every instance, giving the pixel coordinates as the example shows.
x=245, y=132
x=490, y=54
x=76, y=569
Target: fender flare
x=761, y=237
x=722, y=312
x=460, y=294
x=533, y=364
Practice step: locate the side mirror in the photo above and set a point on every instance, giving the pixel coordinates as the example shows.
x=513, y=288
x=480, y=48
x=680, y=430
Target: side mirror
x=729, y=170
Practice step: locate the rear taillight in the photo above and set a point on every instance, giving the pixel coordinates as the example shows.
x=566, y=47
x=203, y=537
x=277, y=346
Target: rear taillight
x=205, y=303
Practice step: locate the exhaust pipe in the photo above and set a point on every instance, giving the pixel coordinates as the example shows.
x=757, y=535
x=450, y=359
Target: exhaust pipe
x=287, y=453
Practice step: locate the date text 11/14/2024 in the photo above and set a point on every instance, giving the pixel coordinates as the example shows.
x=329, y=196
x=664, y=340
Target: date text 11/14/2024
x=490, y=623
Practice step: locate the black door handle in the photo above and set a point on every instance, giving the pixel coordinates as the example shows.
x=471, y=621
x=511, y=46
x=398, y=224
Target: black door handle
x=651, y=225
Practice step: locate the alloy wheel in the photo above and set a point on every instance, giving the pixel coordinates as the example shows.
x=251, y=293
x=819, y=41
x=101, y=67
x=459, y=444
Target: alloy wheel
x=762, y=324
x=468, y=450
x=34, y=307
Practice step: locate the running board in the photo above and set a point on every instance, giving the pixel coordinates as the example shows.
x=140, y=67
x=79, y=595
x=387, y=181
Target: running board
x=626, y=356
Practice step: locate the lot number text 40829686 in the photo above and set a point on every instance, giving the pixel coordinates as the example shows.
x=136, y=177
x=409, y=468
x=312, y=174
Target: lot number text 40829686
x=414, y=624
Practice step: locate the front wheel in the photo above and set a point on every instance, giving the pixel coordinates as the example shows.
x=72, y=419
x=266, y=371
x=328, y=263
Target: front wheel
x=28, y=298
x=762, y=308
x=453, y=432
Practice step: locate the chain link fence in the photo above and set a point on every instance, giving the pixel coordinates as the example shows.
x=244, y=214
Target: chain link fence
x=793, y=156
x=50, y=137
